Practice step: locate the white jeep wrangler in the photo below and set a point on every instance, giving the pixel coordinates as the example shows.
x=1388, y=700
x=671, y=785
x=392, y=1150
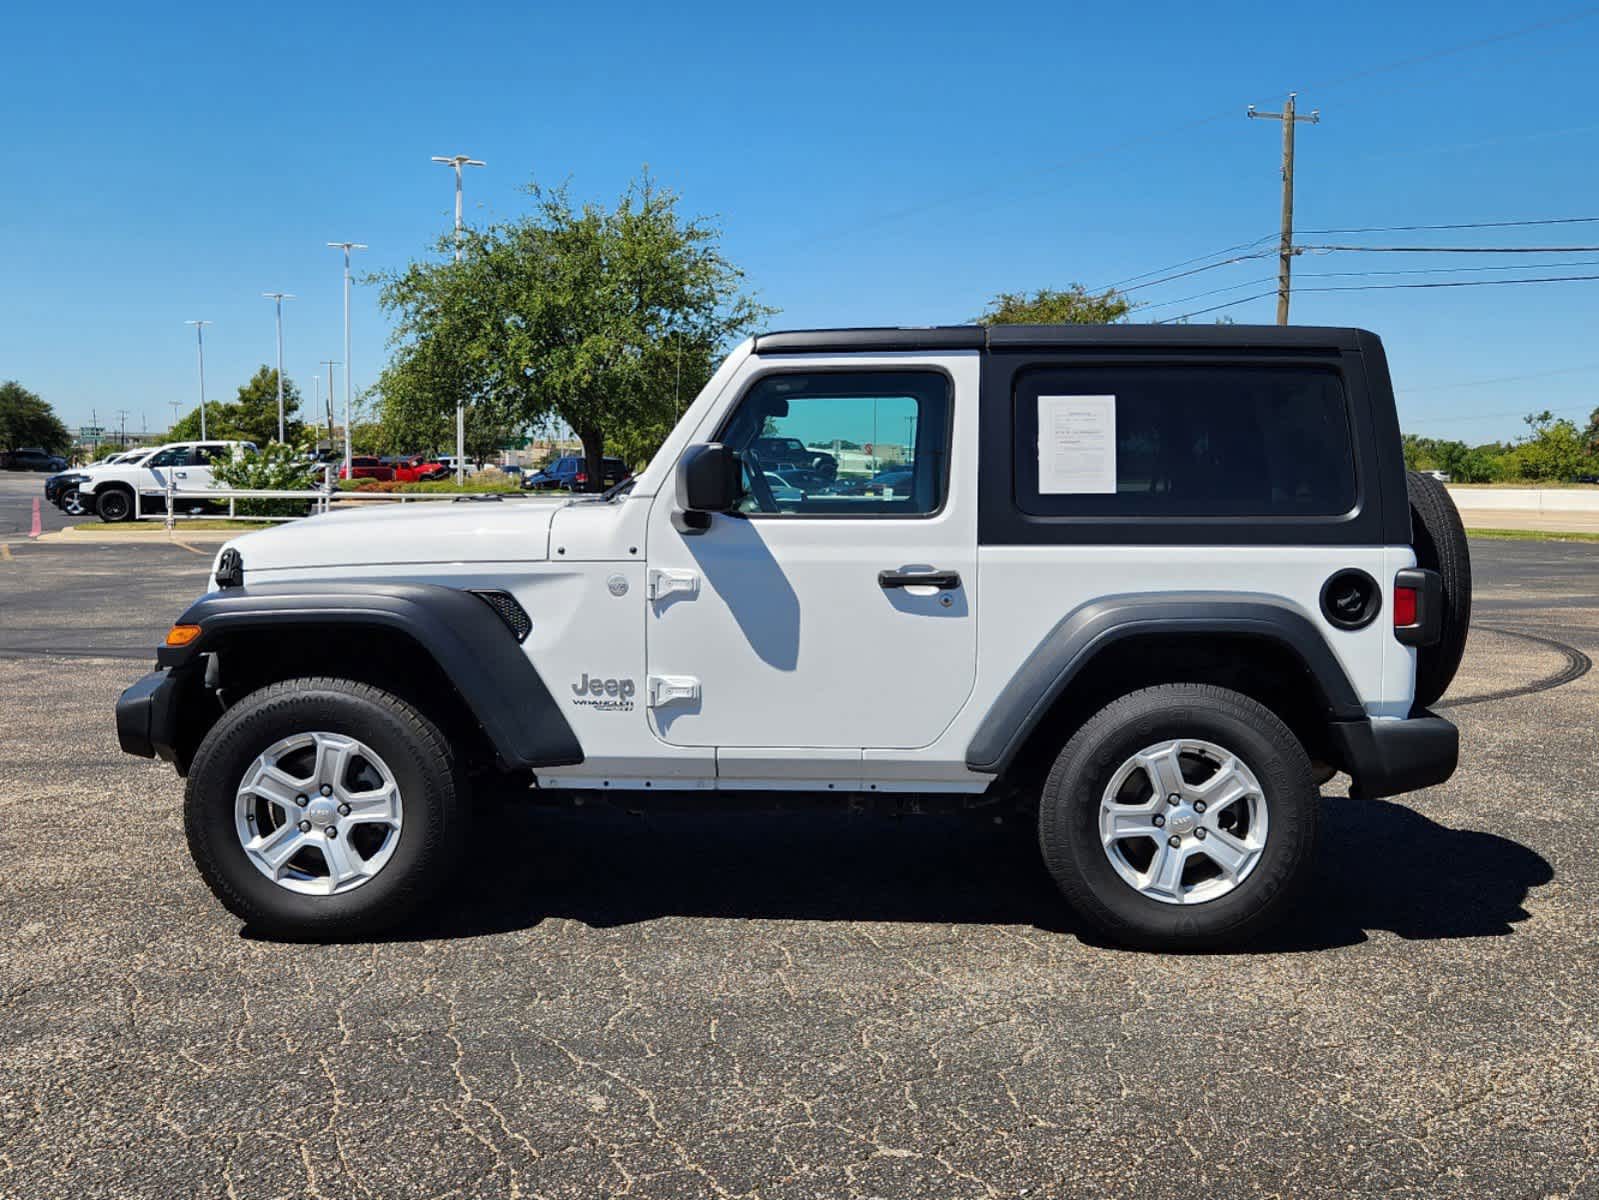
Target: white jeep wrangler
x=1162, y=581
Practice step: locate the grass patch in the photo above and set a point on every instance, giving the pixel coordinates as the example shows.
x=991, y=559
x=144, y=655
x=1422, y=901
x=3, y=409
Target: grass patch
x=154, y=524
x=1534, y=535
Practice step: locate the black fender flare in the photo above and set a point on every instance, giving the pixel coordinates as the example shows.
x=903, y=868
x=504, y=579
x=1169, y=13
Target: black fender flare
x=1083, y=633
x=466, y=638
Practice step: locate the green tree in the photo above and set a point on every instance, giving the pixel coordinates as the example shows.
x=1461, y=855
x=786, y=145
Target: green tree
x=596, y=317
x=1553, y=450
x=26, y=420
x=277, y=467
x=1074, y=306
x=252, y=417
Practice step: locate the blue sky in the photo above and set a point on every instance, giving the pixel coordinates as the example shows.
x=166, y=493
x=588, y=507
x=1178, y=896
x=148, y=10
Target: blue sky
x=889, y=163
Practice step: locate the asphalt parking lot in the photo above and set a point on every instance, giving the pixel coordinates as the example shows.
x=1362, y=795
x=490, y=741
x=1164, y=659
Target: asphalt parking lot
x=797, y=1003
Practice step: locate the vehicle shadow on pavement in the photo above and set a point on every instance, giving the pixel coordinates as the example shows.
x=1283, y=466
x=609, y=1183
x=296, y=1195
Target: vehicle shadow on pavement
x=1380, y=866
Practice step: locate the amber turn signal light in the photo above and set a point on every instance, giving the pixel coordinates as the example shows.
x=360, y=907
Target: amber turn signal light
x=182, y=635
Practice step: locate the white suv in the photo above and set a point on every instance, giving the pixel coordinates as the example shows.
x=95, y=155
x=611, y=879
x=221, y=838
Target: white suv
x=127, y=490
x=1159, y=582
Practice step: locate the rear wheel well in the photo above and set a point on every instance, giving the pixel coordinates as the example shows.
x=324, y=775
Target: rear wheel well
x=244, y=661
x=1261, y=668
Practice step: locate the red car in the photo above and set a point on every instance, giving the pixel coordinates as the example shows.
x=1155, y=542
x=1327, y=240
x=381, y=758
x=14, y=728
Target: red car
x=367, y=467
x=417, y=468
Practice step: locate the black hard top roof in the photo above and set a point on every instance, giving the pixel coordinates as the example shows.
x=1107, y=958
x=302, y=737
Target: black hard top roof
x=998, y=337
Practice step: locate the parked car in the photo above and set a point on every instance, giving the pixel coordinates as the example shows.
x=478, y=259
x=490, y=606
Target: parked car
x=122, y=491
x=416, y=468
x=32, y=458
x=367, y=466
x=62, y=489
x=569, y=473
x=779, y=453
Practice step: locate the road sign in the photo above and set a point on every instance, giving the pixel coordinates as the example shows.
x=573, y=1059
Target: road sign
x=91, y=431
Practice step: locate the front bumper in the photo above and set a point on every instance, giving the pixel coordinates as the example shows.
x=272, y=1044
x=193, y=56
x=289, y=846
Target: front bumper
x=147, y=716
x=1387, y=758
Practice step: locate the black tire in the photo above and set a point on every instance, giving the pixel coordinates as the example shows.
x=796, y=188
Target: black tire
x=434, y=817
x=1068, y=817
x=113, y=505
x=1439, y=539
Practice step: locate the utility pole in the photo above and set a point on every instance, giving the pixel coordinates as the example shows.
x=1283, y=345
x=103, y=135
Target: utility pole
x=279, y=297
x=458, y=161
x=123, y=437
x=347, y=247
x=330, y=363
x=177, y=405
x=199, y=334
x=1285, y=253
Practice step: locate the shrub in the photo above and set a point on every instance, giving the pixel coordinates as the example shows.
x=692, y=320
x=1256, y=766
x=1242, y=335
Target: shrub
x=279, y=468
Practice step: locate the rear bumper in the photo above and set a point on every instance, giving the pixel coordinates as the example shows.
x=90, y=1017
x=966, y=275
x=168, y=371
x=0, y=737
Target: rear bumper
x=1387, y=758
x=147, y=717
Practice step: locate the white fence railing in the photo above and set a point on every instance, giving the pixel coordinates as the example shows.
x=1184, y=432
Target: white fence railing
x=317, y=501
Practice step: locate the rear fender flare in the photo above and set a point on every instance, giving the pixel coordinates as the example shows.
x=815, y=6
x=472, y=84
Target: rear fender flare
x=1087, y=631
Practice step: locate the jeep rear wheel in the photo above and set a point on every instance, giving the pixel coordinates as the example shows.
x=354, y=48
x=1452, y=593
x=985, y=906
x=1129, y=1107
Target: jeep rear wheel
x=323, y=808
x=1181, y=817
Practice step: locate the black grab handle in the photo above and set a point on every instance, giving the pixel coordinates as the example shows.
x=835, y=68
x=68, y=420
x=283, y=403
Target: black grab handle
x=942, y=580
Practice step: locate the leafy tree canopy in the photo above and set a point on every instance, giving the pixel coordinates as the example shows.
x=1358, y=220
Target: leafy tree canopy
x=253, y=417
x=1074, y=306
x=599, y=318
x=26, y=420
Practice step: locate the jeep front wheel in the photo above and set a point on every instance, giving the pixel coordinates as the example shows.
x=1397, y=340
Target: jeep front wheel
x=323, y=808
x=1181, y=817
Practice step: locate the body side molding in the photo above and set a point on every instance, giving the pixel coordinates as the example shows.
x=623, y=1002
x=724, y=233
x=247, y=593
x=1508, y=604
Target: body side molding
x=1085, y=631
x=468, y=640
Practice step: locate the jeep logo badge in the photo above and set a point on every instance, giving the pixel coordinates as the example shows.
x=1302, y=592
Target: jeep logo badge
x=606, y=695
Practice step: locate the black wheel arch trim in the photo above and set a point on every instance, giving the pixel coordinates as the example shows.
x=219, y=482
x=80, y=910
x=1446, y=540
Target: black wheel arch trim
x=467, y=639
x=1083, y=633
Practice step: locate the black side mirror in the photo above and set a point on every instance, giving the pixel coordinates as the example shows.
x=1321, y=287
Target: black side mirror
x=709, y=477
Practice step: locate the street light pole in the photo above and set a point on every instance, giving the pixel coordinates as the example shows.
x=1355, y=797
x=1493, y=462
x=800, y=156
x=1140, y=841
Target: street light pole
x=458, y=161
x=330, y=363
x=199, y=335
x=347, y=247
x=279, y=298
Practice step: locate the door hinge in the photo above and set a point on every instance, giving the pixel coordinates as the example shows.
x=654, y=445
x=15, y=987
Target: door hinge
x=662, y=583
x=666, y=689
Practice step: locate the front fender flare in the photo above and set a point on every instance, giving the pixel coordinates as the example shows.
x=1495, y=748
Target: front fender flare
x=466, y=638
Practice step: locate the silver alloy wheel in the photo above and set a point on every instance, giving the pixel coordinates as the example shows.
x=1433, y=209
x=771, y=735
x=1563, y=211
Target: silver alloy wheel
x=1183, y=821
x=318, y=813
x=72, y=503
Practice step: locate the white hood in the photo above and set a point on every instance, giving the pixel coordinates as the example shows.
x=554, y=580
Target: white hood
x=381, y=533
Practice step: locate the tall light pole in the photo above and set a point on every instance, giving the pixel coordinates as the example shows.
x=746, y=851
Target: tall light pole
x=458, y=161
x=199, y=335
x=330, y=363
x=347, y=247
x=279, y=298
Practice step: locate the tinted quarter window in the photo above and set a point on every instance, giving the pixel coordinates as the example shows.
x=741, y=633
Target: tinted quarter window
x=1199, y=441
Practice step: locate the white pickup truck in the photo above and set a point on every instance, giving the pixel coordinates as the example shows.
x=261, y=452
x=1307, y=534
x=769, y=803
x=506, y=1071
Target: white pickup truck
x=1161, y=582
x=123, y=491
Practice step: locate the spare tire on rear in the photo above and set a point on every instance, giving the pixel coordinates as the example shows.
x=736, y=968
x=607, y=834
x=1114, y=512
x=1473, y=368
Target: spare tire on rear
x=1440, y=543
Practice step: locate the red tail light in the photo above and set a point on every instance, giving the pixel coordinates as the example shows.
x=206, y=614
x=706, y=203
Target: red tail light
x=582, y=477
x=1404, y=606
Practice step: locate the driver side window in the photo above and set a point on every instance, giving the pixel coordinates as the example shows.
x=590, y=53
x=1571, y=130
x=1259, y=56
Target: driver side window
x=843, y=443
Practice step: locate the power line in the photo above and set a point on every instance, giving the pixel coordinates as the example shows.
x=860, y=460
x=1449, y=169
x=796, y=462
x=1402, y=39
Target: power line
x=1227, y=262
x=1457, y=225
x=1213, y=292
x=1121, y=284
x=1378, y=287
x=1573, y=262
x=1453, y=249
x=1449, y=387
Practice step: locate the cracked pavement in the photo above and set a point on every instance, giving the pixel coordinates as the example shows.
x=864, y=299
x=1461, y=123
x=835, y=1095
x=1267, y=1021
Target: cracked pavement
x=775, y=1001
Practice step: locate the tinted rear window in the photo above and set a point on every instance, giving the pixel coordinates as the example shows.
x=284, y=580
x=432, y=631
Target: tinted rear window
x=1198, y=441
